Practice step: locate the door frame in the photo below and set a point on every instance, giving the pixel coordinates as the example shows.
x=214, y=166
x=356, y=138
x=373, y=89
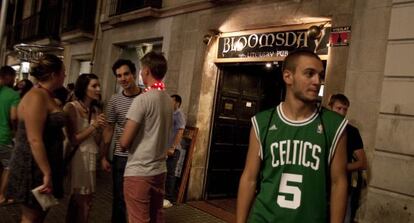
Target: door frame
x=220, y=66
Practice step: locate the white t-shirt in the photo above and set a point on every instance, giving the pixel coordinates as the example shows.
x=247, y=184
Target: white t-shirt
x=153, y=112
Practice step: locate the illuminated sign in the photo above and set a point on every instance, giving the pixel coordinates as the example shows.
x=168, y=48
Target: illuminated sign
x=270, y=44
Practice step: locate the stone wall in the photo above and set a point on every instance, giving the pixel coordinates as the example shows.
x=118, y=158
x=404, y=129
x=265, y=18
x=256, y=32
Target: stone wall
x=382, y=59
x=73, y=54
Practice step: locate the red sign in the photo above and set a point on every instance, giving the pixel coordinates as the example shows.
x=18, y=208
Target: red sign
x=340, y=36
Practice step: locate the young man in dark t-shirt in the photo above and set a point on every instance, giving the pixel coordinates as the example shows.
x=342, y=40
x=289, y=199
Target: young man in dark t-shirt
x=357, y=160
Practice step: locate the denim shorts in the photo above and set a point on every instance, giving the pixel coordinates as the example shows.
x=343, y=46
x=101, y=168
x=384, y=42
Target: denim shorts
x=5, y=154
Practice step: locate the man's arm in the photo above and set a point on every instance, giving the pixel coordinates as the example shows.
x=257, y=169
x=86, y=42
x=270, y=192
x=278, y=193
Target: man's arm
x=360, y=163
x=106, y=143
x=130, y=130
x=177, y=141
x=339, y=184
x=356, y=145
x=13, y=113
x=247, y=185
x=13, y=118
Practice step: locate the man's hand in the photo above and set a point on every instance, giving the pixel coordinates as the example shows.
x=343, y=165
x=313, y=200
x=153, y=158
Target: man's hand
x=106, y=166
x=170, y=151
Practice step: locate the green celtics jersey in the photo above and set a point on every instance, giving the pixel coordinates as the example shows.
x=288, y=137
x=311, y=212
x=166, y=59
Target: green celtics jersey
x=295, y=162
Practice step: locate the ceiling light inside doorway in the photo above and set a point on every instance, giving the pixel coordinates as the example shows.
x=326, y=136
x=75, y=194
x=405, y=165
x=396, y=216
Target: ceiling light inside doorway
x=268, y=65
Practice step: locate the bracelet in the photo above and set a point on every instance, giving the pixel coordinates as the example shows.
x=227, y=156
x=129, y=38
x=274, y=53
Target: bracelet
x=94, y=127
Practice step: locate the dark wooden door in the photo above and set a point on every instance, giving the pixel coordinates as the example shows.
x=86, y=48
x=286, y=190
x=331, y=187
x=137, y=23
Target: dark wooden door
x=243, y=91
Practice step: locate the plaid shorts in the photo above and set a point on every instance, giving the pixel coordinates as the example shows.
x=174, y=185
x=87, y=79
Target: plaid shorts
x=5, y=154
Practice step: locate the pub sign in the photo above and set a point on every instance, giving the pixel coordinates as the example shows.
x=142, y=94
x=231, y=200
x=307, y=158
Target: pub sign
x=270, y=44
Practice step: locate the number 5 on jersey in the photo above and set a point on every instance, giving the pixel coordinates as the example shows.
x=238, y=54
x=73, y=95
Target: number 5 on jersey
x=293, y=190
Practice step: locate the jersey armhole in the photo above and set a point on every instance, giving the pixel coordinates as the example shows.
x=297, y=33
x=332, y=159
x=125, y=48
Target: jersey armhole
x=257, y=132
x=337, y=135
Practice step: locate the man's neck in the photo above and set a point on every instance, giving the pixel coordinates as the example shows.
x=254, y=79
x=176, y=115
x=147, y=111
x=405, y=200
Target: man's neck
x=134, y=90
x=2, y=83
x=151, y=81
x=298, y=110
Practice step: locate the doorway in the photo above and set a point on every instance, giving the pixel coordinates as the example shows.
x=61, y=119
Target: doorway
x=244, y=90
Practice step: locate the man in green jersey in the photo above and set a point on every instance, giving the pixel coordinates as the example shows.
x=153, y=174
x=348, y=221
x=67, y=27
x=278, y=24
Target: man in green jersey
x=297, y=151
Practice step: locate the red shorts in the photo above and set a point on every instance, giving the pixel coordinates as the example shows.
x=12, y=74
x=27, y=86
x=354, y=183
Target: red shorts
x=144, y=196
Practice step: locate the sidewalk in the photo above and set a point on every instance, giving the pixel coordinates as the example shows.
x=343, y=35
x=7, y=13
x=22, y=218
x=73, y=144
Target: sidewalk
x=101, y=209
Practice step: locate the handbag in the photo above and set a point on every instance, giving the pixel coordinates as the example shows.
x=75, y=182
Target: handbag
x=46, y=201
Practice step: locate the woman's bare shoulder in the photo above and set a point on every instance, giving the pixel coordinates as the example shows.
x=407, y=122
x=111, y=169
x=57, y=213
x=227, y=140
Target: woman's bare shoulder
x=34, y=97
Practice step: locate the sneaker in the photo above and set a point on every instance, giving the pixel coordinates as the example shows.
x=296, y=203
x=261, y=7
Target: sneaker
x=167, y=204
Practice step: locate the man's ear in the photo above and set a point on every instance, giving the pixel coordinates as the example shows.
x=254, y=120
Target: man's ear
x=288, y=76
x=145, y=71
x=53, y=74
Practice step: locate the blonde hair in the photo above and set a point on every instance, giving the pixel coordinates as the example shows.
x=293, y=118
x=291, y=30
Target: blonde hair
x=43, y=68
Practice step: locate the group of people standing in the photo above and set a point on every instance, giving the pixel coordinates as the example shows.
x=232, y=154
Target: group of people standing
x=297, y=169
x=55, y=141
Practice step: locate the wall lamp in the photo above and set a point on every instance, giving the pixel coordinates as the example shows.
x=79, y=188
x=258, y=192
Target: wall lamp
x=210, y=35
x=315, y=32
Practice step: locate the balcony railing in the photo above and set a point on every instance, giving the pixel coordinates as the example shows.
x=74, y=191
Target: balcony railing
x=79, y=15
x=44, y=24
x=122, y=6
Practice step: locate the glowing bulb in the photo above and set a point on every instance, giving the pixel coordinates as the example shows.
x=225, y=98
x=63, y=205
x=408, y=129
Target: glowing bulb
x=239, y=46
x=25, y=67
x=268, y=65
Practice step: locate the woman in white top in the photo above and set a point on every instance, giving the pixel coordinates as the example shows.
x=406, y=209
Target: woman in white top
x=87, y=120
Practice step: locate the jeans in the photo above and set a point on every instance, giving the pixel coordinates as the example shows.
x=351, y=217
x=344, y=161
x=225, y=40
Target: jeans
x=352, y=204
x=118, y=202
x=171, y=179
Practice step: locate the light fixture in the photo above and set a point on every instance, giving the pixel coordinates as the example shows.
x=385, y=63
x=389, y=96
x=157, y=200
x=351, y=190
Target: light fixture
x=25, y=67
x=315, y=32
x=207, y=39
x=32, y=52
x=209, y=35
x=268, y=65
x=239, y=46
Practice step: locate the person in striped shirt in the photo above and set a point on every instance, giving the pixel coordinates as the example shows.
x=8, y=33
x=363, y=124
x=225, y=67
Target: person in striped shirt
x=118, y=105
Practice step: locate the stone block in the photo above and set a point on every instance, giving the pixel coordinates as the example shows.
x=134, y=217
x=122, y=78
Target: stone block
x=393, y=133
x=335, y=7
x=395, y=96
x=378, y=3
x=402, y=16
x=399, y=59
x=185, y=80
x=368, y=55
x=393, y=172
x=386, y=207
